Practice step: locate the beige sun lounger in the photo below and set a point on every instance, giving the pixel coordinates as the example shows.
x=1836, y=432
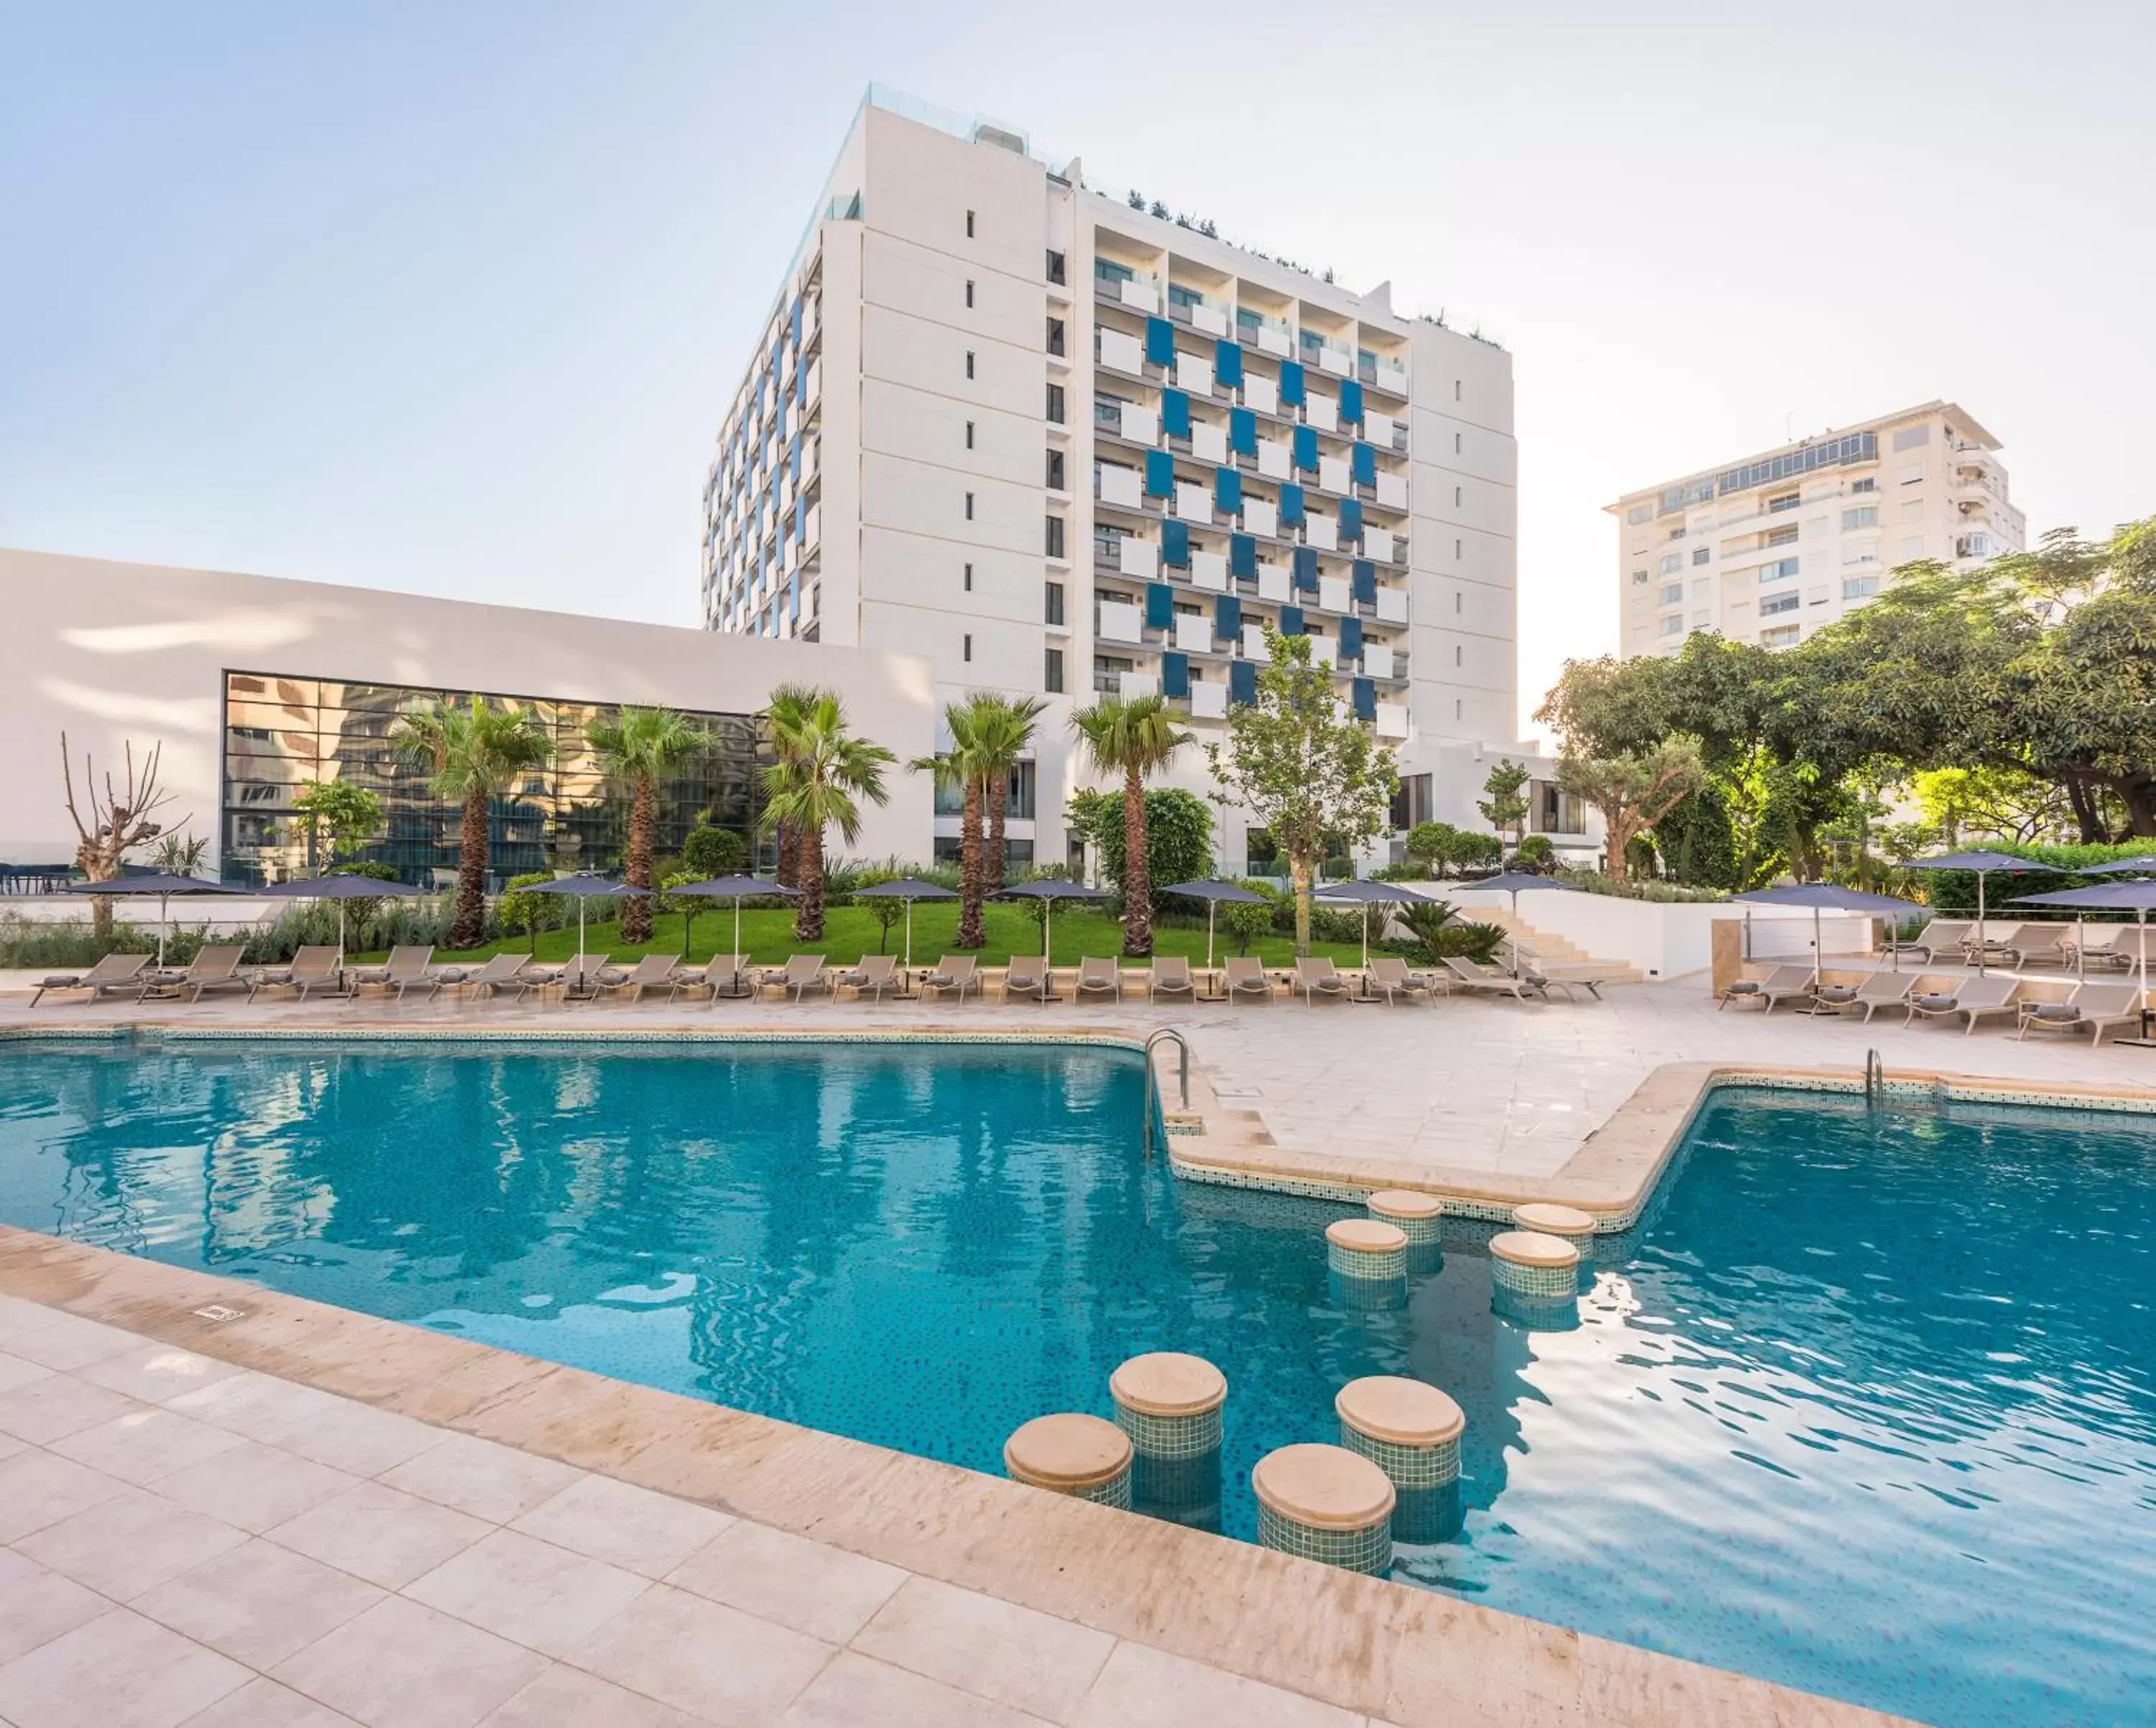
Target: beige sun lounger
x=954, y=974
x=2093, y=1006
x=578, y=979
x=113, y=974
x=648, y=973
x=2109, y=945
x=1171, y=977
x=1589, y=975
x=1494, y=978
x=1026, y=975
x=801, y=974
x=504, y=969
x=1880, y=989
x=1390, y=974
x=1246, y=976
x=876, y=974
x=411, y=968
x=1941, y=937
x=2050, y=946
x=213, y=968
x=1784, y=984
x=1315, y=975
x=1999, y=940
x=1100, y=978
x=721, y=977
x=313, y=968
x=1973, y=998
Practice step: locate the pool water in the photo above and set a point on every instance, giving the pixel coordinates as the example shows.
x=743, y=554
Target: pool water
x=1864, y=1405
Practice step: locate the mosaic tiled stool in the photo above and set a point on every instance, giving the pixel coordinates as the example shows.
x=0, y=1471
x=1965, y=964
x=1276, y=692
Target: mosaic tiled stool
x=1080, y=1455
x=1411, y=1431
x=1366, y=1249
x=1325, y=1503
x=1567, y=1224
x=1417, y=1216
x=1169, y=1404
x=1526, y=1263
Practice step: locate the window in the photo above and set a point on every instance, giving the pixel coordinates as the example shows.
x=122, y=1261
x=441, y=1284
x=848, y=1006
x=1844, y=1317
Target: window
x=1639, y=513
x=969, y=578
x=1455, y=444
x=969, y=362
x=1672, y=624
x=1456, y=389
x=969, y=507
x=1639, y=578
x=1865, y=516
x=1677, y=532
x=1051, y=675
x=1459, y=708
x=1456, y=599
x=1777, y=570
x=1868, y=483
x=969, y=225
x=1056, y=471
x=1672, y=562
x=1055, y=272
x=967, y=653
x=1909, y=437
x=1672, y=594
x=1912, y=547
x=1856, y=447
x=1782, y=536
x=1859, y=588
x=1781, y=635
x=1701, y=554
x=969, y=435
x=1055, y=404
x=1054, y=537
x=1052, y=606
x=1456, y=495
x=1055, y=335
x=1913, y=475
x=1787, y=500
x=969, y=291
x=1771, y=603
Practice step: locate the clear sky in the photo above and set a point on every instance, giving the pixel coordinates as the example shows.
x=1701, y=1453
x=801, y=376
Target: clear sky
x=448, y=297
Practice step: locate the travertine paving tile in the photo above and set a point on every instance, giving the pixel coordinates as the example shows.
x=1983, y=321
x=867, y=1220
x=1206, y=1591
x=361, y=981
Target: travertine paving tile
x=144, y=1445
x=43, y=1410
x=130, y=1543
x=357, y=1438
x=401, y=1664
x=155, y=1374
x=39, y=1488
x=496, y=1482
x=565, y=1697
x=117, y=1671
x=811, y=1586
x=257, y=1604
x=528, y=1590
x=37, y=1604
x=264, y=1703
x=855, y=1691
x=1031, y=1661
x=380, y=1534
x=1145, y=1687
x=254, y=1486
x=19, y=1371
x=255, y=1405
x=68, y=1341
x=623, y=1524
x=700, y=1657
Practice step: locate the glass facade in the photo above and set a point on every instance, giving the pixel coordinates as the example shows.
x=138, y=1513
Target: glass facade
x=281, y=732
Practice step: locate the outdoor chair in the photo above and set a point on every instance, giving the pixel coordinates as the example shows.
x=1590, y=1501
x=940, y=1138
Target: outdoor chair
x=504, y=969
x=2093, y=1006
x=1972, y=998
x=1171, y=977
x=1391, y=975
x=1940, y=937
x=1880, y=989
x=721, y=976
x=1100, y=978
x=801, y=974
x=1026, y=975
x=876, y=974
x=114, y=975
x=2104, y=946
x=312, y=967
x=408, y=967
x=2050, y=946
x=1786, y=983
x=1495, y=978
x=213, y=968
x=1996, y=941
x=1589, y=975
x=1315, y=975
x=954, y=975
x=1246, y=977
x=580, y=978
x=649, y=973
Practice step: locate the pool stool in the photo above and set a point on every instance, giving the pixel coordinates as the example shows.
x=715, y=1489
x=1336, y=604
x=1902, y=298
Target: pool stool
x=1415, y=1216
x=1080, y=1455
x=1411, y=1431
x=1528, y=1264
x=1548, y=1218
x=1325, y=1503
x=1365, y=1249
x=1169, y=1404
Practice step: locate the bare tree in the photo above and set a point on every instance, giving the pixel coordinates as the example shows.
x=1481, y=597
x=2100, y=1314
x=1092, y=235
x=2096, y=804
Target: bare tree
x=119, y=821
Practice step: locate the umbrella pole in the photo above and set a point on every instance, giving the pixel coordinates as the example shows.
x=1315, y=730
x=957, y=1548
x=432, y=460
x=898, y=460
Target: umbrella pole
x=1211, y=907
x=1979, y=924
x=1514, y=945
x=909, y=935
x=164, y=924
x=580, y=932
x=1818, y=949
x=2141, y=930
x=2080, y=948
x=737, y=947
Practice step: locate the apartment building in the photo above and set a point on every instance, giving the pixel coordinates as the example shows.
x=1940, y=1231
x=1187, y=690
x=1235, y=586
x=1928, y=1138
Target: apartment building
x=1769, y=548
x=1057, y=446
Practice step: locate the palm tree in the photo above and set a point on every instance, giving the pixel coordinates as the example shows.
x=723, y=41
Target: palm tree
x=964, y=765
x=643, y=746
x=1004, y=732
x=788, y=703
x=1131, y=738
x=821, y=772
x=472, y=753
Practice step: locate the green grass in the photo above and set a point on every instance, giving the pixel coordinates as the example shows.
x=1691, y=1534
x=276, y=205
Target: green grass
x=850, y=932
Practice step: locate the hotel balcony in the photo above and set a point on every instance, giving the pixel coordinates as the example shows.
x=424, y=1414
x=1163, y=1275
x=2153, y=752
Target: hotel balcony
x=1139, y=291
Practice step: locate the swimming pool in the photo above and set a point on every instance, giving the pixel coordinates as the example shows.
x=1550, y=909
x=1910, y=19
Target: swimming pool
x=1863, y=1406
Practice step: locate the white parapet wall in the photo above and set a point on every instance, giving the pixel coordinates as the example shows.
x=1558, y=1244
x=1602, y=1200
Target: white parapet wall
x=1666, y=940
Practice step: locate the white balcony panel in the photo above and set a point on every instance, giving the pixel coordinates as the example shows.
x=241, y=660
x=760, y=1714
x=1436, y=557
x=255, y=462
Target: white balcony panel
x=1122, y=353
x=1262, y=394
x=1392, y=490
x=1273, y=583
x=1193, y=503
x=1392, y=719
x=1378, y=428
x=1120, y=485
x=1392, y=606
x=1209, y=570
x=1210, y=319
x=1333, y=474
x=1376, y=661
x=1121, y=622
x=1194, y=632
x=1141, y=425
x=1137, y=557
x=812, y=532
x=1377, y=543
x=1262, y=516
x=1271, y=341
x=1321, y=411
x=1208, y=701
x=1209, y=444
x=1333, y=360
x=1135, y=684
x=1253, y=642
x=1194, y=373
x=1332, y=592
x=1143, y=295
x=1324, y=651
x=1321, y=532
x=1274, y=460
x=814, y=392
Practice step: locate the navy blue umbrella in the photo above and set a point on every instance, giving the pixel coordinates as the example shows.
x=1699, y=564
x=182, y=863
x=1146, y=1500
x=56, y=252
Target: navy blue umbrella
x=1825, y=897
x=908, y=888
x=738, y=889
x=148, y=885
x=581, y=889
x=1517, y=882
x=1215, y=893
x=2133, y=897
x=1366, y=894
x=2145, y=865
x=1981, y=864
x=339, y=888
x=1048, y=890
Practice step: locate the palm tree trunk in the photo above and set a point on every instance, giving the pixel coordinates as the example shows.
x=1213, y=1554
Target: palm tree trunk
x=991, y=865
x=789, y=856
x=970, y=884
x=643, y=818
x=468, y=928
x=808, y=872
x=1137, y=885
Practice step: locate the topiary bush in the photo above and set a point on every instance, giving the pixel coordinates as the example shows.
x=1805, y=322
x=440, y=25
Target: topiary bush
x=710, y=851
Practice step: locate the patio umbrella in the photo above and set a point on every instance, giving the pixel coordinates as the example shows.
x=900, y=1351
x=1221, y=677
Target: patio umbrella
x=908, y=888
x=1825, y=897
x=1213, y=893
x=1983, y=864
x=339, y=888
x=1366, y=894
x=2120, y=866
x=1048, y=889
x=738, y=889
x=1517, y=882
x=2133, y=897
x=148, y=885
x=581, y=889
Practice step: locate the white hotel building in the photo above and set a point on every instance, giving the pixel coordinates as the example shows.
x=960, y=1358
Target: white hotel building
x=1769, y=548
x=1054, y=445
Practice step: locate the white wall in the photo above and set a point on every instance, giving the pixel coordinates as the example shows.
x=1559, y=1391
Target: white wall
x=118, y=652
x=1665, y=941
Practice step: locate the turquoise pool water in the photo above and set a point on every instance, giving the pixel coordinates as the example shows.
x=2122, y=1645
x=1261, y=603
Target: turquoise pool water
x=1864, y=1405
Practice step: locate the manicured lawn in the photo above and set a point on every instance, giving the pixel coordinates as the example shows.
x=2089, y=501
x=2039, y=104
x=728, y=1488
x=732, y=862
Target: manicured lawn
x=850, y=932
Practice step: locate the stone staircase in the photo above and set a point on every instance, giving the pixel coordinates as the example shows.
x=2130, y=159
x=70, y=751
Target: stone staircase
x=1557, y=955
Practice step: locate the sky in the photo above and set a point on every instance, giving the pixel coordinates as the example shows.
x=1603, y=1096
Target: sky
x=450, y=299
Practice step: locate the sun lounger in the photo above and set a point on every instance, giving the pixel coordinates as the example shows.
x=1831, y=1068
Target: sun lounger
x=1589, y=975
x=2050, y=946
x=1027, y=975
x=1315, y=976
x=721, y=977
x=1880, y=989
x=2091, y=1007
x=504, y=969
x=1469, y=976
x=1972, y=998
x=648, y=973
x=1781, y=981
x=1391, y=975
x=1171, y=977
x=1246, y=977
x=2108, y=945
x=801, y=974
x=578, y=979
x=411, y=968
x=115, y=974
x=312, y=969
x=1999, y=941
x=876, y=974
x=1940, y=938
x=1100, y=978
x=213, y=968
x=954, y=974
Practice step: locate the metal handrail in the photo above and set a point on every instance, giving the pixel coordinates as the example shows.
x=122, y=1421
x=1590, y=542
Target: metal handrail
x=1875, y=1078
x=1182, y=1045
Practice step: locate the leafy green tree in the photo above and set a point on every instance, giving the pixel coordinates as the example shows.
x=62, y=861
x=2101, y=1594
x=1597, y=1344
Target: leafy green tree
x=1178, y=830
x=822, y=775
x=341, y=815
x=180, y=855
x=1469, y=851
x=529, y=912
x=1309, y=772
x=711, y=852
x=1243, y=922
x=1507, y=805
x=472, y=754
x=1135, y=739
x=686, y=905
x=1535, y=852
x=1634, y=791
x=641, y=750
x=1430, y=845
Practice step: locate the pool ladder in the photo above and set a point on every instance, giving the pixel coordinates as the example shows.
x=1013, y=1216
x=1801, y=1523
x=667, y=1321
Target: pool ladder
x=1182, y=1049
x=1875, y=1079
